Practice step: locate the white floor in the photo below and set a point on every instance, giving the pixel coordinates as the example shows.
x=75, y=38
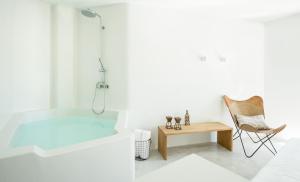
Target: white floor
x=234, y=161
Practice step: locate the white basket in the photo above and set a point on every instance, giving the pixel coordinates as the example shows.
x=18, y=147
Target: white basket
x=142, y=149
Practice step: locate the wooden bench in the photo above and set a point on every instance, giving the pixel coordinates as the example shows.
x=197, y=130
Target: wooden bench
x=224, y=134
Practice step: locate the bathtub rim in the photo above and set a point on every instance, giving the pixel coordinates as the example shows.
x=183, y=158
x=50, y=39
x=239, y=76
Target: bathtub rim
x=11, y=125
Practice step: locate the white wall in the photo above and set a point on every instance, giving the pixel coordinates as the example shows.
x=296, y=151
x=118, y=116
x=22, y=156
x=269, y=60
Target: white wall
x=282, y=42
x=165, y=73
x=64, y=55
x=31, y=55
x=25, y=56
x=112, y=42
x=5, y=60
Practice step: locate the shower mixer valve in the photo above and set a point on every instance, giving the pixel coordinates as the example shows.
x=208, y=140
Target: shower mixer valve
x=101, y=85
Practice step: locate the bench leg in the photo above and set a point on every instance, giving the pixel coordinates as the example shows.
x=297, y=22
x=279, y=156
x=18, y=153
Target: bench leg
x=162, y=144
x=225, y=139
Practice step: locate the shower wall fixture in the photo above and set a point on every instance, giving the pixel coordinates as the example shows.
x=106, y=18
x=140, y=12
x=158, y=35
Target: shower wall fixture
x=102, y=84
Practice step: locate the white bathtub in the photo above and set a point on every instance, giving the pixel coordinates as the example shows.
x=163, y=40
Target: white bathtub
x=108, y=159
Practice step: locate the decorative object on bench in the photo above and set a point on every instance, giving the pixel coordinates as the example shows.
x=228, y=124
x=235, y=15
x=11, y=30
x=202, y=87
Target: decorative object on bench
x=177, y=125
x=169, y=122
x=187, y=118
x=248, y=117
x=224, y=134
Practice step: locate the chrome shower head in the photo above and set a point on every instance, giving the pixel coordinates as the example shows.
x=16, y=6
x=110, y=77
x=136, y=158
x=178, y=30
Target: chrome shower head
x=89, y=13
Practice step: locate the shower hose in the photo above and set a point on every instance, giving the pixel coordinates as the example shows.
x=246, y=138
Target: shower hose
x=94, y=102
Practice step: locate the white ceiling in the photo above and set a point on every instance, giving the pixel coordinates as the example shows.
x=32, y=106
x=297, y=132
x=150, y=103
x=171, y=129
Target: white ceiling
x=259, y=10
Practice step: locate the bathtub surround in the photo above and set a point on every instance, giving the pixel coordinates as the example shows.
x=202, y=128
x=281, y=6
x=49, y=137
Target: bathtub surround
x=92, y=159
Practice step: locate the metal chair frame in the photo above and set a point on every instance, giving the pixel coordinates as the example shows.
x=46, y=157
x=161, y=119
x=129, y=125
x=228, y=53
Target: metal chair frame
x=256, y=104
x=262, y=140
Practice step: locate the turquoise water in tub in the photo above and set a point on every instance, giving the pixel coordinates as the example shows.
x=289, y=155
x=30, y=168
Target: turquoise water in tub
x=62, y=131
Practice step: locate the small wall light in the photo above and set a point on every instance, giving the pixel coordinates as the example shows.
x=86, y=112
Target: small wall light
x=222, y=59
x=202, y=58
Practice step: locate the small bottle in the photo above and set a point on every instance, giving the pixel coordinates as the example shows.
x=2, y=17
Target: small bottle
x=187, y=118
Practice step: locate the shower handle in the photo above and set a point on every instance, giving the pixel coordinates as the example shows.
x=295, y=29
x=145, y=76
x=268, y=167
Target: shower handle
x=102, y=85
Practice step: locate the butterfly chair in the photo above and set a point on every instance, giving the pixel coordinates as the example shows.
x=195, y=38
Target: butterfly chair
x=251, y=107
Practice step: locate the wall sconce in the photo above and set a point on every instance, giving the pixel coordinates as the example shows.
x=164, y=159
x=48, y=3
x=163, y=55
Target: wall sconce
x=222, y=58
x=202, y=58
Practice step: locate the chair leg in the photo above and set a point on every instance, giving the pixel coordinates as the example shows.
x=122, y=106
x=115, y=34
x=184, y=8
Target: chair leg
x=248, y=156
x=235, y=133
x=262, y=143
x=238, y=131
x=239, y=134
x=266, y=145
x=272, y=144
